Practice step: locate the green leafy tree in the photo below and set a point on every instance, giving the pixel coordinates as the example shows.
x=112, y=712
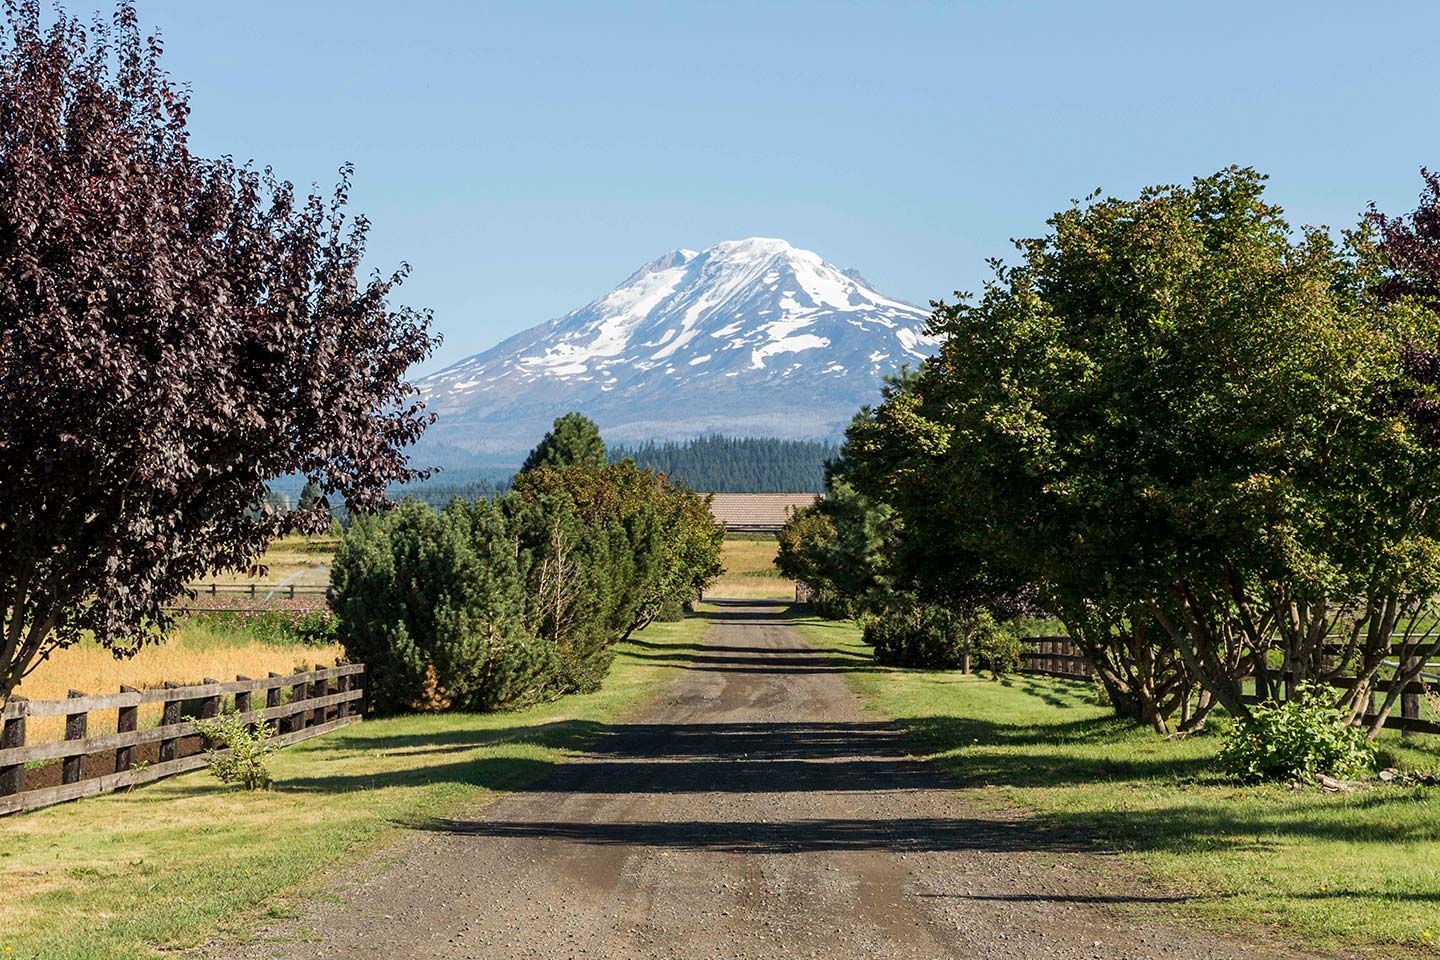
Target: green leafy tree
x=573, y=441
x=1165, y=417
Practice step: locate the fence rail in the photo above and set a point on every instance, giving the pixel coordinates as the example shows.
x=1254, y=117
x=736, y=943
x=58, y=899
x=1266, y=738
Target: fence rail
x=1058, y=657
x=320, y=701
x=289, y=590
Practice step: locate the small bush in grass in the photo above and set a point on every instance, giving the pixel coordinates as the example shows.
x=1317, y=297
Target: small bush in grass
x=909, y=634
x=249, y=750
x=997, y=646
x=1296, y=739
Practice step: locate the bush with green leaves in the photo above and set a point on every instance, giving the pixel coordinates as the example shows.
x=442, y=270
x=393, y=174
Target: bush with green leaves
x=1297, y=739
x=997, y=645
x=911, y=634
x=238, y=750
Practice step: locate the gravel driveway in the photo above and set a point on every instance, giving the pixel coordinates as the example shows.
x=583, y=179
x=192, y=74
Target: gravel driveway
x=756, y=812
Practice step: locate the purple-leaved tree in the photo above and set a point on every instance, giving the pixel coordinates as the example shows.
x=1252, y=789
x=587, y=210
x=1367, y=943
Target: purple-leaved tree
x=174, y=331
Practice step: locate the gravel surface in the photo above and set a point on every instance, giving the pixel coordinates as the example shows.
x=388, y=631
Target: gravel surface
x=756, y=812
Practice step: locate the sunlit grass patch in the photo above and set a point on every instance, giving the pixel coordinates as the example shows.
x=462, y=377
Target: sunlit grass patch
x=1331, y=870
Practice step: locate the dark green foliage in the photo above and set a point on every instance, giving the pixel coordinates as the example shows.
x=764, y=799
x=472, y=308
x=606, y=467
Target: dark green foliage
x=912, y=634
x=423, y=596
x=909, y=634
x=831, y=604
x=451, y=484
x=496, y=602
x=573, y=441
x=671, y=611
x=719, y=464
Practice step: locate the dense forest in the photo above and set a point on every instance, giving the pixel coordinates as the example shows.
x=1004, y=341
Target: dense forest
x=717, y=464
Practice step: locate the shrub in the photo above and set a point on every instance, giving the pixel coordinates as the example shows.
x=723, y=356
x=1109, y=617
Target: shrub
x=1297, y=739
x=249, y=749
x=997, y=646
x=315, y=629
x=910, y=634
x=671, y=611
x=831, y=604
x=433, y=605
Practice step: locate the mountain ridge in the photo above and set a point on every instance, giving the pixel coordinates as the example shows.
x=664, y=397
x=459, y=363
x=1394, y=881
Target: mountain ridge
x=750, y=337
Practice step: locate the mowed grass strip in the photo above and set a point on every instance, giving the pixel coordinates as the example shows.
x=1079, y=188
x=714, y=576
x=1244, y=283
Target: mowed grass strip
x=167, y=865
x=1329, y=871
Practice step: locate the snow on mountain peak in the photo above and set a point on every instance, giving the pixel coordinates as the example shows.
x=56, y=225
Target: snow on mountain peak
x=752, y=316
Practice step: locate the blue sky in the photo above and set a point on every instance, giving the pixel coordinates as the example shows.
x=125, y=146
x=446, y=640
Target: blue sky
x=526, y=157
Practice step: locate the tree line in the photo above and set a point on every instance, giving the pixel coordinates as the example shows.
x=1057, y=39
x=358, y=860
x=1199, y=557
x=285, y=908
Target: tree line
x=719, y=464
x=1205, y=442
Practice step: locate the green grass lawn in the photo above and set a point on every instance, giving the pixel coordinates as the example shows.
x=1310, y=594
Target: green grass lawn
x=1328, y=870
x=171, y=863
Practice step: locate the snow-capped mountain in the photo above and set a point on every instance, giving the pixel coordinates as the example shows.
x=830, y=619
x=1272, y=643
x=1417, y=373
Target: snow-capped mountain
x=747, y=338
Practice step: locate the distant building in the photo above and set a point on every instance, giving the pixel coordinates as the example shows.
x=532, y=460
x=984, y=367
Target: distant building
x=757, y=512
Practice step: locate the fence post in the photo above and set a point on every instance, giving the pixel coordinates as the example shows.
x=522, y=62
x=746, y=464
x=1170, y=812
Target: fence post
x=272, y=699
x=242, y=702
x=127, y=719
x=342, y=684
x=169, y=715
x=72, y=768
x=317, y=714
x=297, y=695
x=292, y=591
x=363, y=678
x=1410, y=702
x=12, y=734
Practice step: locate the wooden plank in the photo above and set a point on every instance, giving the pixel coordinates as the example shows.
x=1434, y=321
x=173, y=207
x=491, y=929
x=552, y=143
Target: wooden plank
x=114, y=701
x=126, y=722
x=12, y=772
x=176, y=731
x=49, y=796
x=242, y=697
x=169, y=718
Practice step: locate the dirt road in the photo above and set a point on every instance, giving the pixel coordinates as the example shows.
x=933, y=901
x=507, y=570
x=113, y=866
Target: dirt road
x=757, y=812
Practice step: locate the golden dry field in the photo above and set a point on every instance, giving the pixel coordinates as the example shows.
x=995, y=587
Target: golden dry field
x=750, y=571
x=195, y=651
x=303, y=561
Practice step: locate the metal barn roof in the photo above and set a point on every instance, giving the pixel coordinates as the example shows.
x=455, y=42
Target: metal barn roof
x=757, y=512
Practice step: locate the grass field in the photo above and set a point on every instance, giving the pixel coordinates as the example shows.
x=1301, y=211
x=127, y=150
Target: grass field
x=195, y=651
x=750, y=571
x=1328, y=870
x=113, y=877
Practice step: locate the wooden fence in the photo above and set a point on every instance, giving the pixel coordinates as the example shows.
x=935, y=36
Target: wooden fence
x=1058, y=657
x=319, y=701
x=290, y=591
